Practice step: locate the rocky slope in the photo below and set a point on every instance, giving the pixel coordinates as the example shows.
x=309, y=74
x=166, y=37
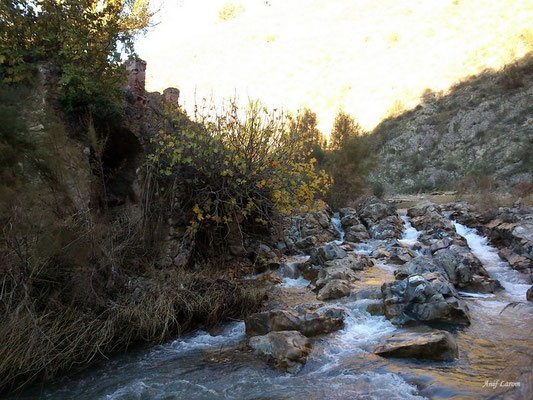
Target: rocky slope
x=481, y=132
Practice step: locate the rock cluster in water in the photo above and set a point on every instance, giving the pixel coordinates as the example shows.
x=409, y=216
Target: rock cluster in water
x=431, y=270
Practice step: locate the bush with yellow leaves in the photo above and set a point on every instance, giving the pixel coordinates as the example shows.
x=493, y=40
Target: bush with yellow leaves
x=237, y=165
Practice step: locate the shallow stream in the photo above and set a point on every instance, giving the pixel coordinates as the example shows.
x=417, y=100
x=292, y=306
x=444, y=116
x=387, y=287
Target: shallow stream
x=497, y=347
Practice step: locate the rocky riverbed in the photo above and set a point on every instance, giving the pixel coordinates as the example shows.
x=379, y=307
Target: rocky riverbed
x=371, y=302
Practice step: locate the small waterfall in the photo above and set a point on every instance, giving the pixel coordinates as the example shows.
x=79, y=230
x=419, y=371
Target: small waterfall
x=336, y=221
x=410, y=234
x=291, y=274
x=513, y=281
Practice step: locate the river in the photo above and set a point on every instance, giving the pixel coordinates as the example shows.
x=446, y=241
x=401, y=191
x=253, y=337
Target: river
x=495, y=351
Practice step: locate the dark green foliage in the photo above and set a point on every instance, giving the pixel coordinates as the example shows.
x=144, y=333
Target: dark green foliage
x=82, y=38
x=378, y=189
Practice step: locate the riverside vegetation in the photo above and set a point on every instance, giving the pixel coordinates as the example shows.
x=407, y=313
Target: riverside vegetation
x=127, y=221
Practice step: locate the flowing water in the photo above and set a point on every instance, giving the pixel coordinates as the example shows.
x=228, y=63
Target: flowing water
x=497, y=346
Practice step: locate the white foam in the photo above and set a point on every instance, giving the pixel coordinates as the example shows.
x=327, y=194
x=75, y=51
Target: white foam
x=234, y=332
x=410, y=234
x=295, y=282
x=478, y=295
x=335, y=220
x=513, y=281
x=364, y=249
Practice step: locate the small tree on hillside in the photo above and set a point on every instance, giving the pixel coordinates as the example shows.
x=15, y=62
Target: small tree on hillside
x=303, y=126
x=344, y=128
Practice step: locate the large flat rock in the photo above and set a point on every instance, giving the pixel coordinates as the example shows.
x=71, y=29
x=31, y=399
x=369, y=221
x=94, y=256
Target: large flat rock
x=435, y=345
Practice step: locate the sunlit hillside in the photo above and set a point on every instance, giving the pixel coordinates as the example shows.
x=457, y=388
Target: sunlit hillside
x=371, y=58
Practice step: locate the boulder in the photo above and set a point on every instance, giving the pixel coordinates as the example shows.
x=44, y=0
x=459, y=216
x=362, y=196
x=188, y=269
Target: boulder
x=427, y=298
x=356, y=233
x=308, y=230
x=419, y=265
x=326, y=275
x=348, y=217
x=334, y=289
x=464, y=270
x=436, y=345
x=376, y=308
x=440, y=244
x=373, y=209
x=355, y=262
x=423, y=208
x=309, y=323
x=288, y=349
x=520, y=263
x=401, y=255
x=327, y=252
x=265, y=258
x=390, y=227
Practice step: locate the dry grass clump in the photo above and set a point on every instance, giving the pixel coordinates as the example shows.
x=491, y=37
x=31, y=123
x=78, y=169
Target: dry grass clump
x=39, y=343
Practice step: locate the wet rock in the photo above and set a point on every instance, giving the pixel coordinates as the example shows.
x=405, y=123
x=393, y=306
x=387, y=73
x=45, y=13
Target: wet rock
x=435, y=345
x=334, y=289
x=288, y=349
x=309, y=271
x=464, y=270
x=529, y=294
x=427, y=298
x=401, y=255
x=376, y=309
x=326, y=275
x=348, y=217
x=440, y=244
x=381, y=253
x=420, y=265
x=308, y=230
x=307, y=242
x=374, y=294
x=308, y=323
x=328, y=252
x=373, y=209
x=422, y=208
x=269, y=278
x=355, y=262
x=265, y=258
x=520, y=263
x=356, y=233
x=390, y=227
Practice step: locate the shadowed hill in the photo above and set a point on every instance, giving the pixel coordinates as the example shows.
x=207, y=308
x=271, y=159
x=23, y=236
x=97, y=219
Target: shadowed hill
x=481, y=133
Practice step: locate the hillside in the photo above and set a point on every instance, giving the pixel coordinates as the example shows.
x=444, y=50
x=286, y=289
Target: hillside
x=481, y=133
x=373, y=59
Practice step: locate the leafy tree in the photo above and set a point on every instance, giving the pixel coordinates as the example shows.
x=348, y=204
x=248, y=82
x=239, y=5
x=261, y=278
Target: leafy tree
x=344, y=128
x=348, y=160
x=303, y=127
x=85, y=39
x=237, y=166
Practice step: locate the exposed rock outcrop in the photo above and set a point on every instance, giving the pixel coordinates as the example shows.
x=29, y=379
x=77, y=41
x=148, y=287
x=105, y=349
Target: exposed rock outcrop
x=427, y=298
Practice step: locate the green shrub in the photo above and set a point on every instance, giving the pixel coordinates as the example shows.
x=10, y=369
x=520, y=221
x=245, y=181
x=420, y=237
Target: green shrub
x=83, y=39
x=378, y=189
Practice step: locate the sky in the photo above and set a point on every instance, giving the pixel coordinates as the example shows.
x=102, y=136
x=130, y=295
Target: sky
x=370, y=58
